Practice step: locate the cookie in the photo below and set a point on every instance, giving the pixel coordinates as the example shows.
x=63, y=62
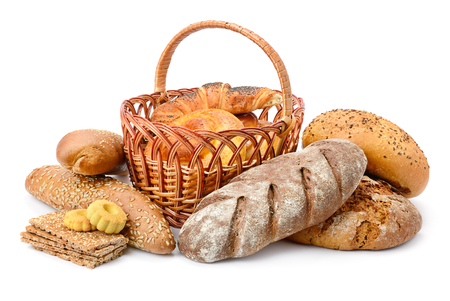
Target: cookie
x=106, y=216
x=78, y=221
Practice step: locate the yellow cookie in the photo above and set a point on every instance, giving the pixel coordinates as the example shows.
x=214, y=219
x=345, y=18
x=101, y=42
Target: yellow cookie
x=106, y=216
x=77, y=220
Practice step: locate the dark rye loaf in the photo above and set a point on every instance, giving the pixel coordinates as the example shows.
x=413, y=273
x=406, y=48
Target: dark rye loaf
x=273, y=201
x=375, y=217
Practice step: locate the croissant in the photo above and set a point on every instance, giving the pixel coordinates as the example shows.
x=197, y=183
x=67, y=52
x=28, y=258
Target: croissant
x=217, y=96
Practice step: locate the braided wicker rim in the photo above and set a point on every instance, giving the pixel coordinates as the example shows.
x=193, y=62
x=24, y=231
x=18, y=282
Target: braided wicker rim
x=177, y=188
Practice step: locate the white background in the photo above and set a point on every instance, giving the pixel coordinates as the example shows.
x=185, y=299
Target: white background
x=68, y=65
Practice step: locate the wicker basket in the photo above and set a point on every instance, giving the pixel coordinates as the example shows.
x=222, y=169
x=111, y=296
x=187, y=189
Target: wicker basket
x=175, y=187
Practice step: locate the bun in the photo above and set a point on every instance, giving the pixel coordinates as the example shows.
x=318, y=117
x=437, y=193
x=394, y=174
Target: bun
x=146, y=228
x=249, y=120
x=92, y=152
x=217, y=96
x=375, y=217
x=391, y=153
x=215, y=120
x=272, y=201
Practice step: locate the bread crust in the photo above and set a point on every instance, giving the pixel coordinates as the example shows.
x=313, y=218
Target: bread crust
x=214, y=120
x=217, y=95
x=375, y=217
x=146, y=227
x=92, y=152
x=272, y=201
x=392, y=154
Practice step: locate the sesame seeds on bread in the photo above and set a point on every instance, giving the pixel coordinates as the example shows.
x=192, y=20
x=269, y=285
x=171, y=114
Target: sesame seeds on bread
x=146, y=228
x=392, y=154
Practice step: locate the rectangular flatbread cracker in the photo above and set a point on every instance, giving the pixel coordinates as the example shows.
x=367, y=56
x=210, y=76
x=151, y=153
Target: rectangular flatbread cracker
x=90, y=264
x=44, y=237
x=48, y=233
x=53, y=223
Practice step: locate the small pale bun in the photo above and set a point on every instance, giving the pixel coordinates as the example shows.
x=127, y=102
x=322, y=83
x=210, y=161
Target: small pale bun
x=392, y=154
x=92, y=152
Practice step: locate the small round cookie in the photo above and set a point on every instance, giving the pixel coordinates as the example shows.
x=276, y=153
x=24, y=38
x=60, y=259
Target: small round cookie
x=374, y=217
x=78, y=221
x=392, y=154
x=106, y=216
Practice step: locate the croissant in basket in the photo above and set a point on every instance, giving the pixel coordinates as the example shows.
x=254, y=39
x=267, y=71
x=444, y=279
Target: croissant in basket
x=217, y=95
x=212, y=120
x=178, y=187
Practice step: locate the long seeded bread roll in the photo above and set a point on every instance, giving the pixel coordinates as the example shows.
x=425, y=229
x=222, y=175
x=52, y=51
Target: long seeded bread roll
x=217, y=95
x=392, y=154
x=273, y=201
x=146, y=227
x=375, y=217
x=92, y=152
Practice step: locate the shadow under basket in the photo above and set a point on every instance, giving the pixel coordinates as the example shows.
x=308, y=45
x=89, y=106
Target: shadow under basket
x=176, y=185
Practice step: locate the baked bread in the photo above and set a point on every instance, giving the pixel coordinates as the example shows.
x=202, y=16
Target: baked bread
x=392, y=154
x=375, y=217
x=248, y=120
x=217, y=96
x=146, y=228
x=92, y=152
x=215, y=120
x=273, y=201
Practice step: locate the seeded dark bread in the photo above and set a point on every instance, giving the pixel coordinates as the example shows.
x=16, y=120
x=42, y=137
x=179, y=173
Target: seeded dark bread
x=273, y=201
x=92, y=152
x=146, y=227
x=375, y=217
x=392, y=154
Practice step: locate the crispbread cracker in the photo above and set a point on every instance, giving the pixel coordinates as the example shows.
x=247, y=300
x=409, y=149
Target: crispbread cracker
x=53, y=223
x=47, y=233
x=45, y=244
x=90, y=264
x=75, y=254
x=35, y=234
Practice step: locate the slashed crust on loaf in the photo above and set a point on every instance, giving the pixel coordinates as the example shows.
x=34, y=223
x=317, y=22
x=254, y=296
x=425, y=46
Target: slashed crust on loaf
x=375, y=217
x=272, y=201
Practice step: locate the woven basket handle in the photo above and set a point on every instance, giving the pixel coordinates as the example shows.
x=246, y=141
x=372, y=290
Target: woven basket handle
x=166, y=57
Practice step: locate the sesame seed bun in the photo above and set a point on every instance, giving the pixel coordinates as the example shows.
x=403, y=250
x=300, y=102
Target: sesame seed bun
x=392, y=154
